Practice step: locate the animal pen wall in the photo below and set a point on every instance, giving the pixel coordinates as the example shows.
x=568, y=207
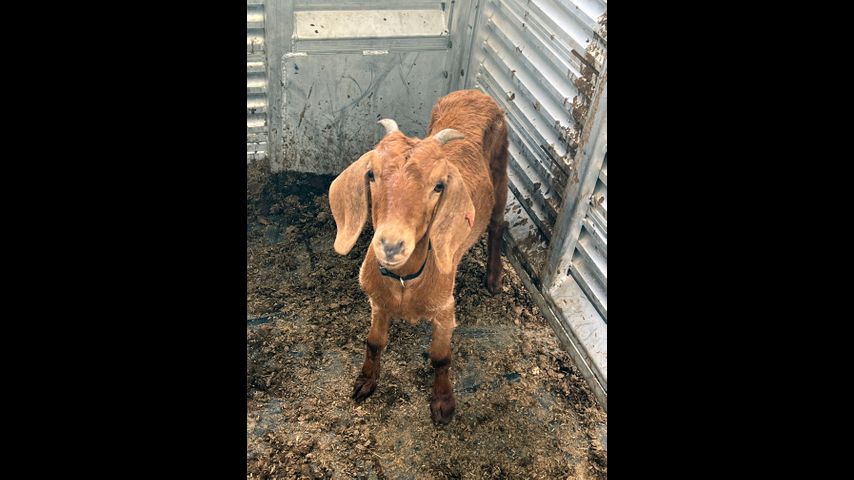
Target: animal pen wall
x=320, y=73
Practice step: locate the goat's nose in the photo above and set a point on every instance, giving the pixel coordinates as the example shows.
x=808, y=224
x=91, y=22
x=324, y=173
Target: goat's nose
x=391, y=249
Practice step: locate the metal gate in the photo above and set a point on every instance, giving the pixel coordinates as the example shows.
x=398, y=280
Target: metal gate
x=336, y=67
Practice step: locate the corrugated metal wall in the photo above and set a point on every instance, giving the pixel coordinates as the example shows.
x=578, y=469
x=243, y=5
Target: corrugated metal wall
x=543, y=61
x=256, y=82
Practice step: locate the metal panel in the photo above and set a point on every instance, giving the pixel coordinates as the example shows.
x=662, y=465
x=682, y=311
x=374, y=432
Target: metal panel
x=256, y=82
x=351, y=63
x=331, y=104
x=541, y=75
x=543, y=61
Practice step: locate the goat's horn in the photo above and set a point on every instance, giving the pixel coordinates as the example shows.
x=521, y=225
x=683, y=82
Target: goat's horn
x=447, y=135
x=389, y=124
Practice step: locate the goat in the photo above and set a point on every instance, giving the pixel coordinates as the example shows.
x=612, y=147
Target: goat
x=430, y=200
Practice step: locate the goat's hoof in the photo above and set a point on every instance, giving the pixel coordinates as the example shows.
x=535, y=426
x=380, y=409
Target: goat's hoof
x=494, y=285
x=442, y=409
x=363, y=388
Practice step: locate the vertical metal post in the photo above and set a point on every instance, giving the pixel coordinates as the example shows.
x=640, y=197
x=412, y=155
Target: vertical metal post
x=579, y=187
x=278, y=21
x=462, y=28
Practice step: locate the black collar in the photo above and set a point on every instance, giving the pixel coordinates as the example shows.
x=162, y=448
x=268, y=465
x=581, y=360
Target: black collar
x=388, y=273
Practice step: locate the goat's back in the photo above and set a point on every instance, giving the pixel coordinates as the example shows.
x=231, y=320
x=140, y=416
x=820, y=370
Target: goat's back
x=477, y=116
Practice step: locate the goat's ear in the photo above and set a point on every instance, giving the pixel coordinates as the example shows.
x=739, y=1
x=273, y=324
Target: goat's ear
x=453, y=222
x=348, y=198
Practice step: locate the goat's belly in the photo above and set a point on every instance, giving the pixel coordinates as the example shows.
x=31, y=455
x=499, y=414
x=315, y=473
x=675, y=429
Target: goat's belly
x=413, y=312
x=413, y=320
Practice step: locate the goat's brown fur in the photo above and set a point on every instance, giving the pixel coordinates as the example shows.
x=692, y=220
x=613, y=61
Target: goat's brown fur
x=409, y=215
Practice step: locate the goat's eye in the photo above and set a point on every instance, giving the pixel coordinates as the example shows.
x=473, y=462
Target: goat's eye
x=371, y=175
x=439, y=187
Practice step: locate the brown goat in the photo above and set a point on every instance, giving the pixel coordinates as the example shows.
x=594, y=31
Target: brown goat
x=430, y=201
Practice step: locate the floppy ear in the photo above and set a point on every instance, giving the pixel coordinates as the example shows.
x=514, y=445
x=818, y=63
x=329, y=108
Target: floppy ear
x=348, y=198
x=453, y=222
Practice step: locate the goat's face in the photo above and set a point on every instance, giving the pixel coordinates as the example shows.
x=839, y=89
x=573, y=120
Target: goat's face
x=406, y=179
x=414, y=191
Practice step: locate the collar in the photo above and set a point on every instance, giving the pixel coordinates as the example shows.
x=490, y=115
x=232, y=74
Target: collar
x=388, y=273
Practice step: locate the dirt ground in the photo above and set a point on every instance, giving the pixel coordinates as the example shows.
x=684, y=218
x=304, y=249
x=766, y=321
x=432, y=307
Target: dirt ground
x=523, y=409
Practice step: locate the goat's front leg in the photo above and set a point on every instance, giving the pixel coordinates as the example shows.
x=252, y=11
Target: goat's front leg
x=443, y=404
x=366, y=382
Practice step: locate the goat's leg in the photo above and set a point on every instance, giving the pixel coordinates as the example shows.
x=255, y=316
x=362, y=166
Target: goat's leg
x=442, y=404
x=366, y=382
x=496, y=231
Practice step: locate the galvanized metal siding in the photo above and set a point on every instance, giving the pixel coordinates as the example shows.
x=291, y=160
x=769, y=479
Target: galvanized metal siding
x=256, y=82
x=543, y=61
x=531, y=56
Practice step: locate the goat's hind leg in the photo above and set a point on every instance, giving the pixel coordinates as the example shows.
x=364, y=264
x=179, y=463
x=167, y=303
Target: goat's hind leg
x=496, y=221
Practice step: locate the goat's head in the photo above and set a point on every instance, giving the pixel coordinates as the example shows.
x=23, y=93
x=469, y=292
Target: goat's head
x=414, y=192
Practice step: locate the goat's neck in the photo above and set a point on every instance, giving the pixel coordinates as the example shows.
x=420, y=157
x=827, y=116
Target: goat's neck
x=419, y=254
